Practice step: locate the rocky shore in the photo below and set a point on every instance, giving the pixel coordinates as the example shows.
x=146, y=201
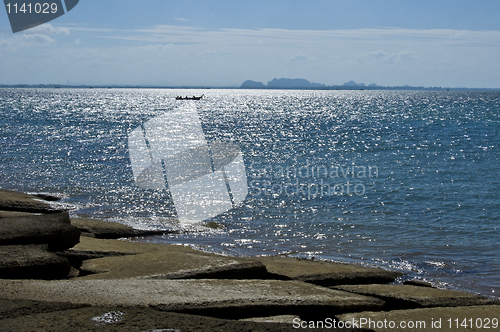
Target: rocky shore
x=58, y=273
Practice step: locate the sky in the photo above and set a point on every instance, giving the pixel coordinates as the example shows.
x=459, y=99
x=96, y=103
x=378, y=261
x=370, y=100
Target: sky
x=447, y=43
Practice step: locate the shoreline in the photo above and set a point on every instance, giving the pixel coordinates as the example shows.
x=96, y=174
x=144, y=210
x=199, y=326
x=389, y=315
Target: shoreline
x=122, y=283
x=178, y=237
x=90, y=272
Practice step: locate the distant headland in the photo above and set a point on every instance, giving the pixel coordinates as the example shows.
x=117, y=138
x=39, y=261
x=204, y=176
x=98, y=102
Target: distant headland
x=283, y=83
x=303, y=84
x=276, y=83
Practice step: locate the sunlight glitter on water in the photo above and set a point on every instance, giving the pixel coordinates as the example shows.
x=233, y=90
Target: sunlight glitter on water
x=430, y=208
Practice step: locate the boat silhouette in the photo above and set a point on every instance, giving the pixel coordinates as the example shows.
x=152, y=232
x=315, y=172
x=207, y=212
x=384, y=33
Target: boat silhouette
x=189, y=98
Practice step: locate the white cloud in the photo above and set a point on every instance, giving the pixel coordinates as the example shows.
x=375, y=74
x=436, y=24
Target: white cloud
x=195, y=56
x=299, y=57
x=33, y=37
x=15, y=42
x=377, y=54
x=76, y=27
x=389, y=58
x=158, y=47
x=315, y=39
x=38, y=38
x=47, y=28
x=207, y=53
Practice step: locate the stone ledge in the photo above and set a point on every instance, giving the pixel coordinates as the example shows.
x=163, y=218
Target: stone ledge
x=245, y=270
x=110, y=230
x=327, y=273
x=407, y=296
x=52, y=229
x=437, y=316
x=29, y=261
x=147, y=260
x=11, y=214
x=118, y=319
x=16, y=201
x=21, y=308
x=205, y=295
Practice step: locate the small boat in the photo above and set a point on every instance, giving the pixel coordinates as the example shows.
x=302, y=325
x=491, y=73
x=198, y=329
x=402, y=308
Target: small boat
x=189, y=98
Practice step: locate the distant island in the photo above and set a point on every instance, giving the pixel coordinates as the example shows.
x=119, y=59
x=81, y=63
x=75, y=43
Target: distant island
x=283, y=83
x=303, y=84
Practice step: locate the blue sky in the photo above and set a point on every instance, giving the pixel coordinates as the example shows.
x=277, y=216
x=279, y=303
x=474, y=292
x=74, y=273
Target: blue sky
x=453, y=43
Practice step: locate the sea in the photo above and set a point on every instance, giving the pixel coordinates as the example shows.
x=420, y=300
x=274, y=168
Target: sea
x=402, y=180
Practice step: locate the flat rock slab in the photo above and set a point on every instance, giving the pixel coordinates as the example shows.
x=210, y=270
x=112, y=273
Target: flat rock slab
x=149, y=260
x=120, y=319
x=16, y=201
x=32, y=262
x=20, y=308
x=109, y=230
x=417, y=282
x=327, y=273
x=406, y=296
x=57, y=217
x=284, y=319
x=120, y=246
x=51, y=229
x=474, y=318
x=126, y=246
x=212, y=296
x=171, y=265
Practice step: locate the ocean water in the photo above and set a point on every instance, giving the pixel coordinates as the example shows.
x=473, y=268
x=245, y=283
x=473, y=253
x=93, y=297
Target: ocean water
x=401, y=180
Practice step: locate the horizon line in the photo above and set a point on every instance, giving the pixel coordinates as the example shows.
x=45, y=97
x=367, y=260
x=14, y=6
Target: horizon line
x=325, y=87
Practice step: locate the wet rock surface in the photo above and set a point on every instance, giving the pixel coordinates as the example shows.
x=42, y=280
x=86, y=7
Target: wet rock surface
x=20, y=202
x=417, y=282
x=327, y=273
x=109, y=230
x=9, y=214
x=408, y=296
